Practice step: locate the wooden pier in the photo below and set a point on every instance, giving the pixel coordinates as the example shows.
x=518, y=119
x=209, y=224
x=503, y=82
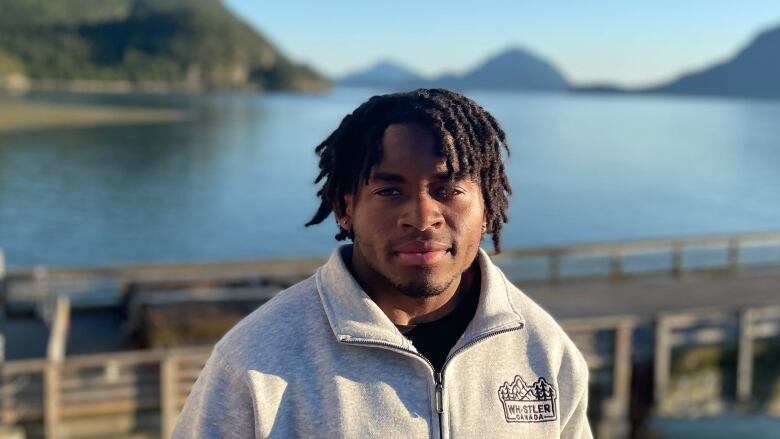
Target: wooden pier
x=703, y=291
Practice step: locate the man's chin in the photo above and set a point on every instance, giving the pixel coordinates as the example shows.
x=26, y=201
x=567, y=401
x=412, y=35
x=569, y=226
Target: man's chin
x=422, y=289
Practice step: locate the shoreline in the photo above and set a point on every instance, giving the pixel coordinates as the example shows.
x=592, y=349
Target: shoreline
x=19, y=85
x=18, y=115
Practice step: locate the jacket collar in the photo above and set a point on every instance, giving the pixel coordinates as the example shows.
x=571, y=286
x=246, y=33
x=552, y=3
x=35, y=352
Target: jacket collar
x=354, y=316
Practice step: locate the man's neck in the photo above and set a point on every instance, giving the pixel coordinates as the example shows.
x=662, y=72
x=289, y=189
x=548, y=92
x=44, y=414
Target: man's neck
x=404, y=310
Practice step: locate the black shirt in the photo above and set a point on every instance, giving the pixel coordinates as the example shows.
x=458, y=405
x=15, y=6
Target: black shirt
x=435, y=339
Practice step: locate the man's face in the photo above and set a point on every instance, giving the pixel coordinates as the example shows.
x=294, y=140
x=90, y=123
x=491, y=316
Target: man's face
x=414, y=229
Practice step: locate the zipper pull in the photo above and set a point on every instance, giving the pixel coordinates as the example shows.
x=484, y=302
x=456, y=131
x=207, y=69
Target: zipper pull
x=439, y=389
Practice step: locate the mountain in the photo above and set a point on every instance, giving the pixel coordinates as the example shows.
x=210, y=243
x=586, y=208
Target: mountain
x=753, y=72
x=192, y=44
x=513, y=69
x=381, y=74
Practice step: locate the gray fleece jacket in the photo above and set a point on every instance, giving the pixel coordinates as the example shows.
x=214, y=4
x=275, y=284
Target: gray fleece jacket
x=321, y=360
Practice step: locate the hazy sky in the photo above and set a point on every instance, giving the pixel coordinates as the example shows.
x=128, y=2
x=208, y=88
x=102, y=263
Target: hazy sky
x=617, y=41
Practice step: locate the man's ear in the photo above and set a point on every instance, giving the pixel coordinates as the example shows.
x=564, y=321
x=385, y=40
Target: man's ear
x=344, y=218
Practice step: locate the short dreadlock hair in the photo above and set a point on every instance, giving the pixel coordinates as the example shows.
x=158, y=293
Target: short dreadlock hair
x=467, y=136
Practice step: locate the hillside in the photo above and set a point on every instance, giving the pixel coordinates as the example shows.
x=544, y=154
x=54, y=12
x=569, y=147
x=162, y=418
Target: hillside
x=753, y=72
x=192, y=44
x=381, y=74
x=512, y=69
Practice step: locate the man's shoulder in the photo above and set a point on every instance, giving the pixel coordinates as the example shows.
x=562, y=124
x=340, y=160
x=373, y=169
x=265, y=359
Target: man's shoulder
x=276, y=328
x=543, y=328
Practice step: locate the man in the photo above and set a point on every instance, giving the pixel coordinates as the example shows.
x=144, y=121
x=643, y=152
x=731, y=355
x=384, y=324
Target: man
x=411, y=331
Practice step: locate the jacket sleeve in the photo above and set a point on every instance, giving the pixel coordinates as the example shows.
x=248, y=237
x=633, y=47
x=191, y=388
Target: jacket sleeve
x=577, y=426
x=219, y=405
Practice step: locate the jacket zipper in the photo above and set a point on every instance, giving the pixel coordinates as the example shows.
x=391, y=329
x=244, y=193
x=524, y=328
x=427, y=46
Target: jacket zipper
x=394, y=347
x=438, y=376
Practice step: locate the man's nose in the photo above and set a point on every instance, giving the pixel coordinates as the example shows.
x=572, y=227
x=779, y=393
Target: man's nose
x=422, y=212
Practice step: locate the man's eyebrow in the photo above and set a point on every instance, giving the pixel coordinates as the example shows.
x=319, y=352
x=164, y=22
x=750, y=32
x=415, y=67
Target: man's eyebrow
x=395, y=178
x=457, y=175
x=384, y=176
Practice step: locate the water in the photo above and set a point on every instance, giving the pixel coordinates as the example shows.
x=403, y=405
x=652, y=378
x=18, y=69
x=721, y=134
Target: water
x=234, y=179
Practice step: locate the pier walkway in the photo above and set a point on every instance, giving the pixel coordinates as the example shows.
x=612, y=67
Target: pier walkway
x=684, y=294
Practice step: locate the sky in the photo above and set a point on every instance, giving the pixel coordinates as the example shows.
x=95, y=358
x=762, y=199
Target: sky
x=620, y=42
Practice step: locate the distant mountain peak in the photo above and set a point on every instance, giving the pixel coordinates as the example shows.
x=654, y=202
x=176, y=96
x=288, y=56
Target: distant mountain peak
x=514, y=68
x=515, y=53
x=383, y=73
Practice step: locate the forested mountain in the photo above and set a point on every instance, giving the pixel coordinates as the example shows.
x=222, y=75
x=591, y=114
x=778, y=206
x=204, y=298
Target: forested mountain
x=196, y=44
x=753, y=72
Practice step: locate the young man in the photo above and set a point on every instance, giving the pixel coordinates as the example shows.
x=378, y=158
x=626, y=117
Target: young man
x=411, y=331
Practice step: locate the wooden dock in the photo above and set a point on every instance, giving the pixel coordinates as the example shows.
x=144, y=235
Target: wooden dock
x=702, y=291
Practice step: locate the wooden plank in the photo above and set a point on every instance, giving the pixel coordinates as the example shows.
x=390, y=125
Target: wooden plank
x=701, y=316
x=622, y=365
x=55, y=356
x=700, y=337
x=12, y=368
x=109, y=394
x=20, y=414
x=765, y=329
x=590, y=324
x=52, y=404
x=119, y=406
x=168, y=393
x=745, y=357
x=662, y=359
x=126, y=379
x=137, y=357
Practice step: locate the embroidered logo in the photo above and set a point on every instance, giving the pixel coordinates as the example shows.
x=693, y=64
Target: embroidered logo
x=524, y=403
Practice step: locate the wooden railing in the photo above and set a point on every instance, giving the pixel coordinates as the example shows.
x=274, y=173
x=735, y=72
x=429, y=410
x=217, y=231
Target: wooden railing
x=132, y=383
x=612, y=356
x=676, y=257
x=739, y=329
x=157, y=382
x=101, y=286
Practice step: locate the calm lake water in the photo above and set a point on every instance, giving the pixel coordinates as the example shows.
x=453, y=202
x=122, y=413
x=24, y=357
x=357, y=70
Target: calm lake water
x=234, y=179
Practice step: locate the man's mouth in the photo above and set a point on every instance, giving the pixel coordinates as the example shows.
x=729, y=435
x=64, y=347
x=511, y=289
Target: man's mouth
x=421, y=253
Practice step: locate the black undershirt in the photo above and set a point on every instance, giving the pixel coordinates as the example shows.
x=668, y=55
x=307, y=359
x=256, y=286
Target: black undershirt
x=435, y=339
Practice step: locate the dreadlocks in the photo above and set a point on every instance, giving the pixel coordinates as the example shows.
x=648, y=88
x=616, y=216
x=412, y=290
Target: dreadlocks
x=467, y=136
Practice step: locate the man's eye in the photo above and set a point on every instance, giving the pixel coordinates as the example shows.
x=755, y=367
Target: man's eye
x=449, y=192
x=388, y=192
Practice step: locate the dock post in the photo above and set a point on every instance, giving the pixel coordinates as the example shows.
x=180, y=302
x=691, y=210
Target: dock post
x=616, y=423
x=53, y=373
x=745, y=357
x=663, y=361
x=169, y=409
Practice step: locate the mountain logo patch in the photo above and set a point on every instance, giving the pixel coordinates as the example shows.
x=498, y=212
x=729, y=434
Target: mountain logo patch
x=528, y=403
